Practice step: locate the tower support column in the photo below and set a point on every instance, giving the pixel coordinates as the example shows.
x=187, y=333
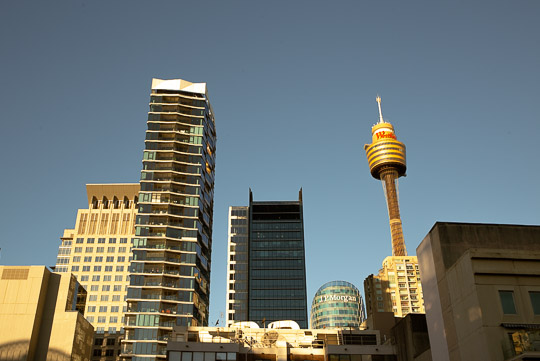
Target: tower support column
x=389, y=176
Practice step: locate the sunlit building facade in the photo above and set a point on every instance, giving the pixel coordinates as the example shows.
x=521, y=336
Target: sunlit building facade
x=98, y=252
x=237, y=265
x=397, y=287
x=41, y=315
x=337, y=304
x=170, y=270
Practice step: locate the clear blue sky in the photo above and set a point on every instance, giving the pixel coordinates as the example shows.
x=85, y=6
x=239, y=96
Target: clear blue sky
x=293, y=86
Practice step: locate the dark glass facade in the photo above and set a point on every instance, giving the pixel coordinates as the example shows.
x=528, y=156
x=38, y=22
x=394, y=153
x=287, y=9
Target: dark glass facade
x=277, y=270
x=170, y=270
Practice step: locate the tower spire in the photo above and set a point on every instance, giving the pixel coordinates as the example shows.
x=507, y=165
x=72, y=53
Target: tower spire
x=386, y=158
x=378, y=99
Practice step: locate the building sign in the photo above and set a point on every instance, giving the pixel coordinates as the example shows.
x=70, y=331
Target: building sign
x=383, y=134
x=343, y=298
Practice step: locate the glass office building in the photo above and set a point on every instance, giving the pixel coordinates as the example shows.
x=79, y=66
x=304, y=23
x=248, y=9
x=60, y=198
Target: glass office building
x=274, y=256
x=337, y=304
x=170, y=270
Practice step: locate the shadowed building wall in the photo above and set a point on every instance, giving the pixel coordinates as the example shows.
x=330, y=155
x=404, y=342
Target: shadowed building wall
x=482, y=291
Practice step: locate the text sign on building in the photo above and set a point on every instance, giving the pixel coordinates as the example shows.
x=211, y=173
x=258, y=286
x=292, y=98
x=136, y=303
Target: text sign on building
x=344, y=298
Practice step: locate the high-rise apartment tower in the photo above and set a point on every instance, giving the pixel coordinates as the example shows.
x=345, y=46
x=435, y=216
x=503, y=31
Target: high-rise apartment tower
x=386, y=158
x=266, y=266
x=170, y=270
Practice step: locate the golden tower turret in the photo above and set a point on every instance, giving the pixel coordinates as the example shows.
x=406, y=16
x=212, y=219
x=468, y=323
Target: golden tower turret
x=386, y=158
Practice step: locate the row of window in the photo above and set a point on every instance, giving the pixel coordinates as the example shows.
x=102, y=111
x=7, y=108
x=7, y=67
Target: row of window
x=106, y=278
x=103, y=319
x=509, y=306
x=100, y=240
x=97, y=269
x=105, y=298
x=277, y=235
x=106, y=288
x=109, y=259
x=202, y=356
x=111, y=330
x=105, y=308
x=100, y=249
x=99, y=352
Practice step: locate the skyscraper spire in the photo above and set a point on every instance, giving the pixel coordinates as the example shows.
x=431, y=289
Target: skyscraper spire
x=378, y=99
x=386, y=158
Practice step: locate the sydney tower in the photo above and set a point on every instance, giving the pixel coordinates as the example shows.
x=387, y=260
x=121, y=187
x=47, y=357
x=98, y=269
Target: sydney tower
x=386, y=158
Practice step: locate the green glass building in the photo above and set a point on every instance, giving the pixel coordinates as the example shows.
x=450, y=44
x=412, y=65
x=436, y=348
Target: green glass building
x=337, y=304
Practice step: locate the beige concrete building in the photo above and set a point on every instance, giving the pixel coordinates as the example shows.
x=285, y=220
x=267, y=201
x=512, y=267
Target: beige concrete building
x=98, y=252
x=41, y=316
x=396, y=288
x=245, y=341
x=482, y=291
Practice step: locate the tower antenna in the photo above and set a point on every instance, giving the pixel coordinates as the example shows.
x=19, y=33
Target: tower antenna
x=378, y=99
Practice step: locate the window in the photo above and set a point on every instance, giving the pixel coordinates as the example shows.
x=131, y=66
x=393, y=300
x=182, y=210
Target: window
x=101, y=319
x=108, y=268
x=84, y=278
x=114, y=308
x=121, y=249
x=94, y=288
x=117, y=288
x=110, y=249
x=76, y=259
x=90, y=240
x=101, y=240
x=104, y=298
x=119, y=269
x=113, y=319
x=107, y=278
x=98, y=342
x=121, y=259
x=91, y=309
x=86, y=269
x=118, y=278
x=88, y=259
x=106, y=288
x=98, y=259
x=79, y=240
x=112, y=240
x=95, y=278
x=109, y=352
x=110, y=259
x=116, y=298
x=97, y=268
x=90, y=319
x=123, y=240
x=78, y=249
x=507, y=302
x=92, y=298
x=74, y=268
x=100, y=249
x=89, y=249
x=535, y=301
